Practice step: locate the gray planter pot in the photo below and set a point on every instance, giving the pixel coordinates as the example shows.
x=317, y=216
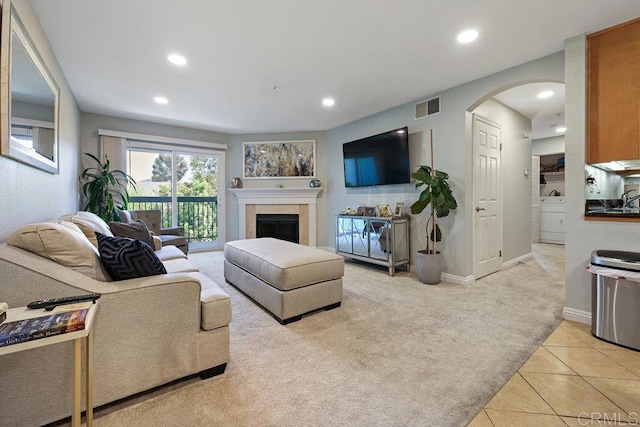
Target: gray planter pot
x=429, y=267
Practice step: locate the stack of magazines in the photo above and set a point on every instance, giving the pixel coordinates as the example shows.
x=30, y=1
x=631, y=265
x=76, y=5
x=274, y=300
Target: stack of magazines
x=41, y=327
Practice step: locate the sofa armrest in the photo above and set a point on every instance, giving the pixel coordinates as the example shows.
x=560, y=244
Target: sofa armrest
x=173, y=231
x=157, y=243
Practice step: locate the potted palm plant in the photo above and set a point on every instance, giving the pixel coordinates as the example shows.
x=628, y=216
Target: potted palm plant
x=438, y=195
x=105, y=189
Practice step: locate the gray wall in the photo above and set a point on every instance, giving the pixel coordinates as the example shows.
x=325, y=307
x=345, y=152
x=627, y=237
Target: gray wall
x=29, y=110
x=544, y=146
x=452, y=152
x=28, y=194
x=582, y=236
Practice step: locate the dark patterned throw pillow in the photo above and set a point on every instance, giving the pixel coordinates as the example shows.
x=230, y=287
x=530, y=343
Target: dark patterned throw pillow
x=135, y=230
x=126, y=258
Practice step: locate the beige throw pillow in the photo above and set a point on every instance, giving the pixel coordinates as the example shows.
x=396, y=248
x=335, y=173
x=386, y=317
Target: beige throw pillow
x=62, y=242
x=89, y=223
x=134, y=230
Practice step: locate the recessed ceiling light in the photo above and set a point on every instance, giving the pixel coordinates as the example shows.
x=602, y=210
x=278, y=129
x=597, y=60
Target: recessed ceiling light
x=328, y=102
x=161, y=100
x=176, y=59
x=467, y=36
x=545, y=94
x=561, y=129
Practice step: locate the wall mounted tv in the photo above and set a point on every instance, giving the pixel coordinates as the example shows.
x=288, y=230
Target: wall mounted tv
x=377, y=160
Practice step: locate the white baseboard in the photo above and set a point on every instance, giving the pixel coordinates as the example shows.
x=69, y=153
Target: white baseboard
x=580, y=316
x=516, y=261
x=458, y=280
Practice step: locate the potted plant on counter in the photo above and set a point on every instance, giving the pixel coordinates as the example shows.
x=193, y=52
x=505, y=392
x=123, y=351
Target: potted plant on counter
x=438, y=195
x=105, y=189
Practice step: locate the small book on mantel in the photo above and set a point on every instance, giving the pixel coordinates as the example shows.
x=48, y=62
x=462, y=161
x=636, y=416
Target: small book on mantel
x=69, y=319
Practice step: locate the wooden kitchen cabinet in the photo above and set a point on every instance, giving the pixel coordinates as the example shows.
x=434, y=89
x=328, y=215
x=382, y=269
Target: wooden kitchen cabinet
x=613, y=94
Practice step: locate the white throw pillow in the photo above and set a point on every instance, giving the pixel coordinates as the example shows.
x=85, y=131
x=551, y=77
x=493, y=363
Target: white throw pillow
x=62, y=242
x=89, y=223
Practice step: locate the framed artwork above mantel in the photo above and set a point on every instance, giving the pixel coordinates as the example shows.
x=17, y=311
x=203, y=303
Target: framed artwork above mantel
x=279, y=159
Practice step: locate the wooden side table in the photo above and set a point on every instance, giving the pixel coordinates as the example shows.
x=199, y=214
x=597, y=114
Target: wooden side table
x=23, y=313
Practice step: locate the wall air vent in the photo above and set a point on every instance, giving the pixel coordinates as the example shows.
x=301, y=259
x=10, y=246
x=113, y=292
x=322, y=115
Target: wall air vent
x=426, y=108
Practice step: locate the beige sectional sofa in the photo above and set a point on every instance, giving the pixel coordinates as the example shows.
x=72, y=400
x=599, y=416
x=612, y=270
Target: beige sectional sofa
x=148, y=331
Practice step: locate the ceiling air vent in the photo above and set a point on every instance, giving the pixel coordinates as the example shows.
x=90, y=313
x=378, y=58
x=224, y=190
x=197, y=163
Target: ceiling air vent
x=427, y=108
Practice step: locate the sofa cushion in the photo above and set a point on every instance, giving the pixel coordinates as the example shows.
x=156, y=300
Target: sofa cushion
x=214, y=302
x=179, y=265
x=89, y=223
x=166, y=253
x=62, y=242
x=135, y=230
x=126, y=258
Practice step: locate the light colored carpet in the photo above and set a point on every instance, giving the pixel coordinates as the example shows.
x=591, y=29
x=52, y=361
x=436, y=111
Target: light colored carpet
x=396, y=353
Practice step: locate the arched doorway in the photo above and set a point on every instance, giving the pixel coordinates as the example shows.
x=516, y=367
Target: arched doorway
x=503, y=125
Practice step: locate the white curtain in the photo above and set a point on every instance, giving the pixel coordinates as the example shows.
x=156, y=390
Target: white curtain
x=114, y=149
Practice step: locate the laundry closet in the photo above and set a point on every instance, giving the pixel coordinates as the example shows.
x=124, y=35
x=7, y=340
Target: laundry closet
x=548, y=198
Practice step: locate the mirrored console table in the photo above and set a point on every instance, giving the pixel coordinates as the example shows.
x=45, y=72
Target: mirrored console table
x=378, y=240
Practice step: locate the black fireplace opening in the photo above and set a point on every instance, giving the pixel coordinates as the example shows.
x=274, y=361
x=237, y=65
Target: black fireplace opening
x=279, y=226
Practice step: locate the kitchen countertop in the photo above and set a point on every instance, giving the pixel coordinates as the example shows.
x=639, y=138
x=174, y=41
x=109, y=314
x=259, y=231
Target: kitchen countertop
x=609, y=208
x=614, y=213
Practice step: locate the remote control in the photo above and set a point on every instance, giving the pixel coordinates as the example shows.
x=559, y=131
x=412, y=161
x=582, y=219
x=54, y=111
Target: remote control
x=51, y=303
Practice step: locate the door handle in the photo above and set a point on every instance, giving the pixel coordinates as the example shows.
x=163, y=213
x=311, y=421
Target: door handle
x=478, y=209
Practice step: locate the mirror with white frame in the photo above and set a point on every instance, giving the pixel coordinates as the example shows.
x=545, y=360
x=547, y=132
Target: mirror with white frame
x=30, y=98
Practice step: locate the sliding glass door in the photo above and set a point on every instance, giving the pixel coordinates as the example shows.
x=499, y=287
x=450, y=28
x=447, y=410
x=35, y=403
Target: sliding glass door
x=184, y=186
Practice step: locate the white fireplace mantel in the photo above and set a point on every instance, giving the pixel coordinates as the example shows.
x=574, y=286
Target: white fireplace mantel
x=277, y=196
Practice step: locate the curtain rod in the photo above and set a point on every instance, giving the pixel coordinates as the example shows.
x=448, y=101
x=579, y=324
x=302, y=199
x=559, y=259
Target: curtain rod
x=153, y=138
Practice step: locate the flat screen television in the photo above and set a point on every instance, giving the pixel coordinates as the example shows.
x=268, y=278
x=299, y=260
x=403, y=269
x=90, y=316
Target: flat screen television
x=377, y=160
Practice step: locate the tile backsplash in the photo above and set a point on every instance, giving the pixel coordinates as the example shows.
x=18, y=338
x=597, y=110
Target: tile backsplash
x=607, y=185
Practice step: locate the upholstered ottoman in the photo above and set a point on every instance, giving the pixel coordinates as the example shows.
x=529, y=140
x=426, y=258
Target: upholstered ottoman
x=285, y=278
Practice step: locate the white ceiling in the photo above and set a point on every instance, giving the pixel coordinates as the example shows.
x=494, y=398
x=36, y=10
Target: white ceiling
x=264, y=66
x=546, y=114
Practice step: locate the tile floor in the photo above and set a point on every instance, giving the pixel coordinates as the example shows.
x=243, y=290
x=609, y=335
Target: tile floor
x=573, y=379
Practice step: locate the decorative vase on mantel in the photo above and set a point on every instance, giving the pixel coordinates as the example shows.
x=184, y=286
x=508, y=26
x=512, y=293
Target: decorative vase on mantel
x=236, y=182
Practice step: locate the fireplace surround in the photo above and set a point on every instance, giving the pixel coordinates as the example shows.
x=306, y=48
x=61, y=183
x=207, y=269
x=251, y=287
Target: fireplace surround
x=300, y=201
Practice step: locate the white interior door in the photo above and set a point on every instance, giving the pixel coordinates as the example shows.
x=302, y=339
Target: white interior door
x=487, y=196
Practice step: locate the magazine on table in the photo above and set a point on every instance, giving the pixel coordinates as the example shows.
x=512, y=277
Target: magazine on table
x=61, y=320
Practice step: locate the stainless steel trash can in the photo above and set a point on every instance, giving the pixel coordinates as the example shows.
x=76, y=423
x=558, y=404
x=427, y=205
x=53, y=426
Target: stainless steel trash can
x=615, y=297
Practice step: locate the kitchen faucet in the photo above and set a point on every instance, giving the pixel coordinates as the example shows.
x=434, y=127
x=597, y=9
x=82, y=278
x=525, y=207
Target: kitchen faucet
x=554, y=193
x=627, y=202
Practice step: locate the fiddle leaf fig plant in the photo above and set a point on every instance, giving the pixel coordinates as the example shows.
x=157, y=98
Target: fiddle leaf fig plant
x=105, y=189
x=438, y=195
